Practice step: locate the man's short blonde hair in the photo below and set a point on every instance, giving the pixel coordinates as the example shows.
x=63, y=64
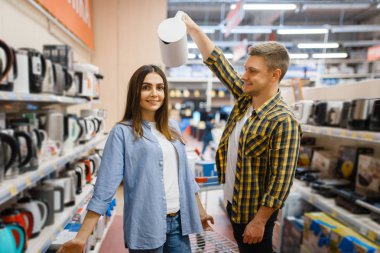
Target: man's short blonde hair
x=275, y=54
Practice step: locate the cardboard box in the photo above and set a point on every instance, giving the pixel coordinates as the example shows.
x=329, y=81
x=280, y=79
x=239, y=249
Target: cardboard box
x=207, y=169
x=368, y=177
x=325, y=162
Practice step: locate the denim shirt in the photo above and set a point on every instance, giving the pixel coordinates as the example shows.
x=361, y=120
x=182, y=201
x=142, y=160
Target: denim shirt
x=139, y=163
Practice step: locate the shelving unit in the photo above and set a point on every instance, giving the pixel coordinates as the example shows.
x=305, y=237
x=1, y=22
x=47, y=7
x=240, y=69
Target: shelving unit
x=40, y=98
x=360, y=223
x=42, y=242
x=367, y=136
x=99, y=243
x=12, y=187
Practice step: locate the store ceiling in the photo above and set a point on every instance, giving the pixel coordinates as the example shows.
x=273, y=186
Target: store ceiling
x=354, y=24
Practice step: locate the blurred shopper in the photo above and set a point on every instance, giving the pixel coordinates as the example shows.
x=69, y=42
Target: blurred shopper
x=207, y=136
x=257, y=154
x=146, y=151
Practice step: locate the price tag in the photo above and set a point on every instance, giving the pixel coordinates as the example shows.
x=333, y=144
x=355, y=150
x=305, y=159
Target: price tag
x=333, y=213
x=12, y=190
x=19, y=97
x=343, y=133
x=371, y=235
x=368, y=136
x=28, y=181
x=355, y=135
x=329, y=131
x=5, y=96
x=311, y=199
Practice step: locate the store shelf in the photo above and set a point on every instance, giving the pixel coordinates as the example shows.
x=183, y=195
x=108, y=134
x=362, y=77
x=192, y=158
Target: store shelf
x=42, y=242
x=40, y=98
x=364, y=75
x=99, y=243
x=360, y=223
x=10, y=188
x=367, y=136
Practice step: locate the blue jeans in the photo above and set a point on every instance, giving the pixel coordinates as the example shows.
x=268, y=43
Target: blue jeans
x=175, y=242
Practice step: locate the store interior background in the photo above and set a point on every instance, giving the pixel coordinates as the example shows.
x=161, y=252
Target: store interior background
x=125, y=37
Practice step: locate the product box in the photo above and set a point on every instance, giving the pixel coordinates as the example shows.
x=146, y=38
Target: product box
x=306, y=155
x=347, y=161
x=62, y=54
x=325, y=162
x=368, y=177
x=317, y=231
x=207, y=169
x=346, y=240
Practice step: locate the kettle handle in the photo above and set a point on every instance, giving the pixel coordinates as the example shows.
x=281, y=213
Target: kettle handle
x=10, y=59
x=28, y=144
x=19, y=230
x=44, y=209
x=28, y=217
x=14, y=149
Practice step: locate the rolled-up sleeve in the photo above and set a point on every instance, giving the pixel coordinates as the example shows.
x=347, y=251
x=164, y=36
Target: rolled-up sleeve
x=283, y=160
x=110, y=173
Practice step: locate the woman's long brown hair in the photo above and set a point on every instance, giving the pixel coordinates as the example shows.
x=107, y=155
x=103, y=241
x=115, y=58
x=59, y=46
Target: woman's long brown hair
x=133, y=109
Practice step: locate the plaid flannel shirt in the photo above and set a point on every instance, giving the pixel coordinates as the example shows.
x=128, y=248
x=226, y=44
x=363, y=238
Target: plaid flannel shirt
x=268, y=147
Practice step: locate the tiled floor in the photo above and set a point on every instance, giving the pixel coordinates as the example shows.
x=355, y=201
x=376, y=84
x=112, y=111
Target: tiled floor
x=114, y=241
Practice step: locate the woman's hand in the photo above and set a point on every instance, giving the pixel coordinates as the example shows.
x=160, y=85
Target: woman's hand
x=73, y=246
x=204, y=219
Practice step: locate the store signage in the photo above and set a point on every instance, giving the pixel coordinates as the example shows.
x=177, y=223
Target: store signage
x=75, y=15
x=373, y=53
x=234, y=17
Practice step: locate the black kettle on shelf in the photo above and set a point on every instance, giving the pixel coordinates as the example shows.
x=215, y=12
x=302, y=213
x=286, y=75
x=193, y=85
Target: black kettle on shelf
x=37, y=69
x=7, y=159
x=8, y=67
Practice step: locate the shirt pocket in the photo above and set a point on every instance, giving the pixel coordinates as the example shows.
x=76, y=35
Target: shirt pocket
x=256, y=145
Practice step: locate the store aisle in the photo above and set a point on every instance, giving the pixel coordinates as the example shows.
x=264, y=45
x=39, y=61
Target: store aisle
x=114, y=240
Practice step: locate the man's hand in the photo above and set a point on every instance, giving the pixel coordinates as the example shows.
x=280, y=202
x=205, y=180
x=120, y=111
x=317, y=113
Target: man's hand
x=72, y=246
x=204, y=219
x=254, y=231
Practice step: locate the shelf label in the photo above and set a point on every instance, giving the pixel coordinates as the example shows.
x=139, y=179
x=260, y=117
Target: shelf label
x=371, y=235
x=28, y=181
x=343, y=133
x=5, y=96
x=311, y=199
x=367, y=136
x=12, y=190
x=334, y=213
x=355, y=135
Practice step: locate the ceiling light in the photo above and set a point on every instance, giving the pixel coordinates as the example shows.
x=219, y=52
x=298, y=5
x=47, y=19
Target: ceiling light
x=249, y=29
x=355, y=28
x=229, y=56
x=336, y=6
x=267, y=7
x=299, y=56
x=318, y=45
x=192, y=56
x=303, y=31
x=330, y=55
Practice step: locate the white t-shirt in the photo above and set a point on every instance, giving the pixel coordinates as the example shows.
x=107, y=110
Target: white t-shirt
x=232, y=153
x=170, y=171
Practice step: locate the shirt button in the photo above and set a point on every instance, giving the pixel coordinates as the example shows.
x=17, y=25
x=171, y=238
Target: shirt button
x=161, y=163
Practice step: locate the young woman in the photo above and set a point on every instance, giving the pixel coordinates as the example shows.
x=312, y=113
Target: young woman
x=145, y=150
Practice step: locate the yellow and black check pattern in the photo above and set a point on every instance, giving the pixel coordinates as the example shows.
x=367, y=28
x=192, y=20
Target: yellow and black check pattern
x=268, y=147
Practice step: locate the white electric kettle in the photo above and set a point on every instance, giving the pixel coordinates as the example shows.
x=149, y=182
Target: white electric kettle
x=173, y=41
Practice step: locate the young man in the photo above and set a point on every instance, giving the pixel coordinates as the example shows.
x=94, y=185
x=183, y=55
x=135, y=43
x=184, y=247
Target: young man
x=258, y=151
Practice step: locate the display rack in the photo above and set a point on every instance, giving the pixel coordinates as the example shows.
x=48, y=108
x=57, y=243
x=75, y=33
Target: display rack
x=362, y=224
x=367, y=136
x=40, y=98
x=99, y=243
x=42, y=242
x=12, y=187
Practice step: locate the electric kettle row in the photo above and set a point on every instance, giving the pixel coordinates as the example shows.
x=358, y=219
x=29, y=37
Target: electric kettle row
x=26, y=70
x=358, y=114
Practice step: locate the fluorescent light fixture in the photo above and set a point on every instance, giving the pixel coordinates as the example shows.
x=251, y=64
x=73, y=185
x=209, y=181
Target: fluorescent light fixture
x=330, y=55
x=378, y=6
x=303, y=31
x=192, y=56
x=355, y=28
x=267, y=7
x=229, y=56
x=299, y=56
x=318, y=45
x=336, y=6
x=250, y=29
